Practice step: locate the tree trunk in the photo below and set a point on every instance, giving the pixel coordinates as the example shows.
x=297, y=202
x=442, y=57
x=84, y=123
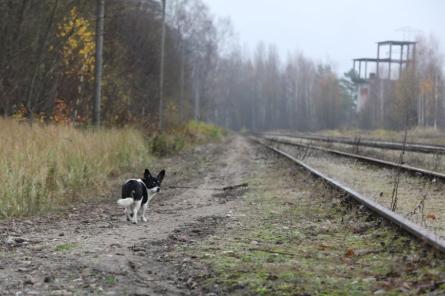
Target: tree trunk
x=39, y=56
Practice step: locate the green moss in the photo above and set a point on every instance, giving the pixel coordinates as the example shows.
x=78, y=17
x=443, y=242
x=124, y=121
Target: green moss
x=65, y=247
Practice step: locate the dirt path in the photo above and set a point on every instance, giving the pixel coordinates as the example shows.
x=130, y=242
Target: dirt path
x=91, y=249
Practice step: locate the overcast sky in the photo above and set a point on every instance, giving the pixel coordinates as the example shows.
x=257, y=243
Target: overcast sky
x=334, y=31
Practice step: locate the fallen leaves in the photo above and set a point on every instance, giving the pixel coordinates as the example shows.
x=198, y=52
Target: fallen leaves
x=431, y=216
x=323, y=247
x=362, y=252
x=349, y=253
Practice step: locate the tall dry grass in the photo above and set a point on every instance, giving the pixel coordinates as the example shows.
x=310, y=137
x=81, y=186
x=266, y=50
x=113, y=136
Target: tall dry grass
x=43, y=167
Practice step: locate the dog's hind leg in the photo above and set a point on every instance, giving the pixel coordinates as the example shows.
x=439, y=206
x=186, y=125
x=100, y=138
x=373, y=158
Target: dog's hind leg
x=144, y=210
x=127, y=213
x=137, y=206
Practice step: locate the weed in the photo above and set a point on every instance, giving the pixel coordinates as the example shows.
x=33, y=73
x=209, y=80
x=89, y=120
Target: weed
x=65, y=247
x=110, y=280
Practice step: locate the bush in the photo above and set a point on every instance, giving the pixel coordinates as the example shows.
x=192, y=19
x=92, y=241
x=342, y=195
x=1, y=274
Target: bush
x=194, y=132
x=166, y=144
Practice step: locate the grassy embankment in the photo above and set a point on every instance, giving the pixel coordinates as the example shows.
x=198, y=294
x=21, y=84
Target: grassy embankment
x=47, y=167
x=420, y=135
x=301, y=238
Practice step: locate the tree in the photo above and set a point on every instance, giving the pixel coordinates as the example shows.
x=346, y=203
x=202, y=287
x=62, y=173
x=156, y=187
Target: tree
x=78, y=64
x=429, y=75
x=404, y=113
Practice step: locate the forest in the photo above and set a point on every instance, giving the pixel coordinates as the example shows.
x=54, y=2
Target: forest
x=47, y=66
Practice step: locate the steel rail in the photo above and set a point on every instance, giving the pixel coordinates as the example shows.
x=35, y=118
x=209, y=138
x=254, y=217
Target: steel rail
x=412, y=228
x=408, y=168
x=413, y=147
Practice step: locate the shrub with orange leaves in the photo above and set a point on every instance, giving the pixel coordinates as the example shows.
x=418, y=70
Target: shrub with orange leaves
x=61, y=112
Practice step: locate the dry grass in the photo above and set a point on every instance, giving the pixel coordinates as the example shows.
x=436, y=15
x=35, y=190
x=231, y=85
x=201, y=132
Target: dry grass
x=43, y=167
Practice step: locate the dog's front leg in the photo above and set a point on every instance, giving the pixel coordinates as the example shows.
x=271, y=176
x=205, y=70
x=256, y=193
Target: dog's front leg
x=137, y=206
x=144, y=210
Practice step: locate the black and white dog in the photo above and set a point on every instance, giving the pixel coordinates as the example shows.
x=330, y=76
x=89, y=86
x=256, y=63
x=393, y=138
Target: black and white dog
x=139, y=192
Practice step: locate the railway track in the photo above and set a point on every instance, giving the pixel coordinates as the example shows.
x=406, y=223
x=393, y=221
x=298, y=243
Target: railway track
x=410, y=169
x=371, y=143
x=414, y=229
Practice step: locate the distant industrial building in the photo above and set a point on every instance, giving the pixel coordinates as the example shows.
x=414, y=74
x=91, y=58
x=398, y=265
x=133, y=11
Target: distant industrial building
x=375, y=77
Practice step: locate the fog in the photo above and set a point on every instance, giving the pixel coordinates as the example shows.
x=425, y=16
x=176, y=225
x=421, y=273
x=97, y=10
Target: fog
x=331, y=31
x=244, y=65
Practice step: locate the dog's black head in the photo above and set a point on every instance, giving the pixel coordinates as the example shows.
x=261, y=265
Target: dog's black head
x=153, y=183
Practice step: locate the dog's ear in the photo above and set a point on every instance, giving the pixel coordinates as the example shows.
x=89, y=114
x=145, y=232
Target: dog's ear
x=161, y=175
x=147, y=174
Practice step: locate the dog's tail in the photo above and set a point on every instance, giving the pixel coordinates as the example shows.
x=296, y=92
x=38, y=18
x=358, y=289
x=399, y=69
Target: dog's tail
x=126, y=202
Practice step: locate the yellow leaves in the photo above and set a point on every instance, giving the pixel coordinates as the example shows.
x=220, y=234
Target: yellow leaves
x=20, y=113
x=171, y=107
x=79, y=46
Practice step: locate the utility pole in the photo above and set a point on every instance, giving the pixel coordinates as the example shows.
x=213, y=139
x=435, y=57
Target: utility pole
x=161, y=78
x=196, y=86
x=182, y=82
x=99, y=60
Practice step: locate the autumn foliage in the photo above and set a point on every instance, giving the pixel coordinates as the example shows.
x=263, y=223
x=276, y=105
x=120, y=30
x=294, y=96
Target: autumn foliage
x=48, y=60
